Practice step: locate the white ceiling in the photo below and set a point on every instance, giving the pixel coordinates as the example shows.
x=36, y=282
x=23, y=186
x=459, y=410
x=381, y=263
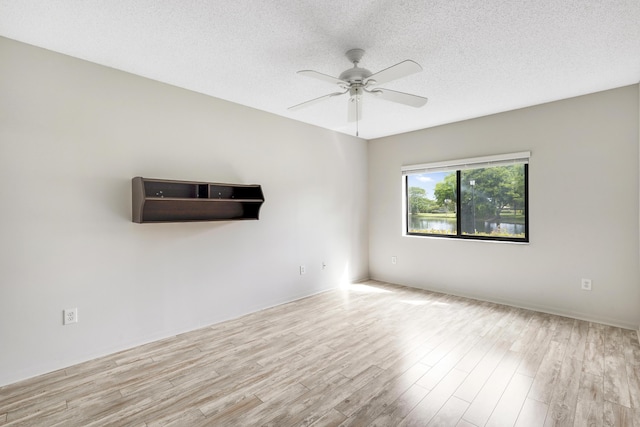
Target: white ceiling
x=479, y=56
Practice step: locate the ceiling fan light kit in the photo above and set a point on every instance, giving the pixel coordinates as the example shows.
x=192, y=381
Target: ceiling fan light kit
x=358, y=81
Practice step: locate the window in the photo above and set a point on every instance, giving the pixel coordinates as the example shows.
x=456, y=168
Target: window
x=484, y=198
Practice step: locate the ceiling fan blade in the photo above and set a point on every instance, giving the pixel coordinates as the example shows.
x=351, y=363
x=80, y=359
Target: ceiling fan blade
x=394, y=72
x=400, y=97
x=315, y=100
x=354, y=112
x=323, y=77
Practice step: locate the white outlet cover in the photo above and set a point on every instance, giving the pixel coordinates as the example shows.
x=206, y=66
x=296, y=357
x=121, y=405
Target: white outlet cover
x=70, y=315
x=586, y=284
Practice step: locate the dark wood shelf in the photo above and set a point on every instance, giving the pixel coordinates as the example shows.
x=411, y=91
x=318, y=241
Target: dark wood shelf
x=161, y=200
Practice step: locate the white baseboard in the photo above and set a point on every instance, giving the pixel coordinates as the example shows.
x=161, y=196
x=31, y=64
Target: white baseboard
x=528, y=306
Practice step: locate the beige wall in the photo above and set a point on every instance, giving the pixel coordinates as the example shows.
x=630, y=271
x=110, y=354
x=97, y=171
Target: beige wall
x=583, y=186
x=73, y=134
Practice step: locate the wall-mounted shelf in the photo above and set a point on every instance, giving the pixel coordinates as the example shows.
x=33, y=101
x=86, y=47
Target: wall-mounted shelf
x=161, y=200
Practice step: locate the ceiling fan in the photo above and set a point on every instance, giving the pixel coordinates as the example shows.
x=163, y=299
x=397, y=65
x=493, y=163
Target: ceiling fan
x=358, y=81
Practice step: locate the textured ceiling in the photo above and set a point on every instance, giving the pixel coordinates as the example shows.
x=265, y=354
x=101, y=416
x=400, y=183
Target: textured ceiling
x=479, y=57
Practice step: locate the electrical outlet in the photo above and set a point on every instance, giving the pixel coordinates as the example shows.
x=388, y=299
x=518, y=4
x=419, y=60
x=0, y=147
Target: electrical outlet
x=324, y=266
x=394, y=260
x=70, y=316
x=303, y=270
x=586, y=284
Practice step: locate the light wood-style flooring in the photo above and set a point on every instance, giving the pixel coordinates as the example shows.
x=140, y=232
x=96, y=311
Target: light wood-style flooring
x=370, y=355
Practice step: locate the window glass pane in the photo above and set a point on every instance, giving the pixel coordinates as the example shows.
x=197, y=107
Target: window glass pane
x=492, y=201
x=431, y=203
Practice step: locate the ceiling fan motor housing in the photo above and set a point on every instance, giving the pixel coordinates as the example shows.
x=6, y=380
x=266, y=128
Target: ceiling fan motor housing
x=355, y=75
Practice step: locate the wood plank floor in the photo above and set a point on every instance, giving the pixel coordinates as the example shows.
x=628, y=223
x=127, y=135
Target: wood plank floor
x=371, y=355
